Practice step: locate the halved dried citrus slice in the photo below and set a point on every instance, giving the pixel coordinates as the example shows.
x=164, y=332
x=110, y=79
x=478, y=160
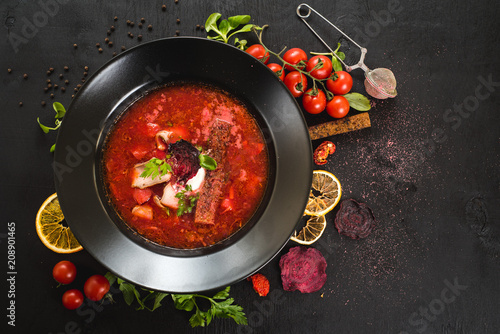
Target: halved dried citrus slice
x=325, y=193
x=311, y=232
x=50, y=228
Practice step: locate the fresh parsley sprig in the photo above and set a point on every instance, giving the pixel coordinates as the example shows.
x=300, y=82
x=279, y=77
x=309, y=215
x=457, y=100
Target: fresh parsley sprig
x=186, y=203
x=156, y=167
x=227, y=28
x=225, y=308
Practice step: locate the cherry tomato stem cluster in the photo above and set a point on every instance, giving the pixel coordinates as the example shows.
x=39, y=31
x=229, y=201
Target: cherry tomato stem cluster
x=95, y=288
x=328, y=85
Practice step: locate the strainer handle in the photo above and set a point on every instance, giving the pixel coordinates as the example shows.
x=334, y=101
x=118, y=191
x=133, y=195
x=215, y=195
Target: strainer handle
x=349, y=68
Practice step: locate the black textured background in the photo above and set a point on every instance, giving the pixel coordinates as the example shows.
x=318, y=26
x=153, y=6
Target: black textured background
x=428, y=166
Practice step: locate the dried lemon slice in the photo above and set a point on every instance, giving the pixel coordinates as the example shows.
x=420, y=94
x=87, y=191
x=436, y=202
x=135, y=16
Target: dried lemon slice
x=50, y=229
x=313, y=230
x=325, y=193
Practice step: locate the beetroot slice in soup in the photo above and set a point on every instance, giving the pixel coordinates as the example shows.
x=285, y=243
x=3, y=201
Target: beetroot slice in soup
x=303, y=269
x=354, y=219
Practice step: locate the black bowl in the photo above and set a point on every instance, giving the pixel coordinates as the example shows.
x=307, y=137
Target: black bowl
x=99, y=104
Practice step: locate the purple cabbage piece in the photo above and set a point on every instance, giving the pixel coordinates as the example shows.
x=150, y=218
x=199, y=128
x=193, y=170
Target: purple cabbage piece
x=183, y=160
x=303, y=269
x=354, y=219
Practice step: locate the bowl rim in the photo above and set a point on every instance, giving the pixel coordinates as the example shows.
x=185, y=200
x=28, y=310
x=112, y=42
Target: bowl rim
x=122, y=77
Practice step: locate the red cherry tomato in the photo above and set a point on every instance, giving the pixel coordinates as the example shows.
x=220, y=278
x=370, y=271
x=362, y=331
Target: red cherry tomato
x=314, y=104
x=276, y=67
x=96, y=287
x=342, y=85
x=322, y=72
x=296, y=83
x=72, y=299
x=64, y=272
x=338, y=107
x=294, y=56
x=259, y=52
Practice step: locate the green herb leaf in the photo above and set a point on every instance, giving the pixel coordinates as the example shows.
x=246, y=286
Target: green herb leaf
x=60, y=110
x=184, y=302
x=225, y=27
x=197, y=319
x=159, y=296
x=43, y=127
x=52, y=148
x=156, y=167
x=358, y=101
x=336, y=64
x=211, y=23
x=128, y=291
x=110, y=277
x=222, y=294
x=207, y=162
x=246, y=28
x=235, y=21
x=186, y=203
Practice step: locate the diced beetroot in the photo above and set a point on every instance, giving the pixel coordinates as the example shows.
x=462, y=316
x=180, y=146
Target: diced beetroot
x=184, y=160
x=143, y=211
x=142, y=195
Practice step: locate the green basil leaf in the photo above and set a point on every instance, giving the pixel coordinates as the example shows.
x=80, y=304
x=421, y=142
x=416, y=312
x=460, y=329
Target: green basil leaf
x=207, y=162
x=128, y=291
x=110, y=277
x=337, y=65
x=52, y=148
x=341, y=55
x=59, y=108
x=235, y=21
x=358, y=101
x=211, y=23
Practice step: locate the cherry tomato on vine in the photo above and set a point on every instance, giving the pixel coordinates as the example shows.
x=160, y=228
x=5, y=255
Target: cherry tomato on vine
x=96, y=287
x=72, y=299
x=276, y=67
x=259, y=52
x=294, y=56
x=342, y=85
x=314, y=104
x=322, y=72
x=296, y=83
x=338, y=107
x=64, y=272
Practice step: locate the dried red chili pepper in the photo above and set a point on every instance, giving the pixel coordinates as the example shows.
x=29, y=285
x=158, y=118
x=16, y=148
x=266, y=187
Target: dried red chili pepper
x=260, y=284
x=322, y=152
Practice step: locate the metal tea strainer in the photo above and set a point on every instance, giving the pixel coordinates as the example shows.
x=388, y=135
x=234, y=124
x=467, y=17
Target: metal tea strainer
x=379, y=83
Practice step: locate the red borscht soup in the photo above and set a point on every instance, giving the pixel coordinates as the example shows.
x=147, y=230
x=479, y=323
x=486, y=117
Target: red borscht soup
x=186, y=166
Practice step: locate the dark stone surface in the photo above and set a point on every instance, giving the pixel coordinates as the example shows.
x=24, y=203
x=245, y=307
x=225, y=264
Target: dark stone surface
x=428, y=167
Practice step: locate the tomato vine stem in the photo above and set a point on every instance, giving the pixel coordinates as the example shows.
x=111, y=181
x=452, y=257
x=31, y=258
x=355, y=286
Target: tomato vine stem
x=298, y=67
